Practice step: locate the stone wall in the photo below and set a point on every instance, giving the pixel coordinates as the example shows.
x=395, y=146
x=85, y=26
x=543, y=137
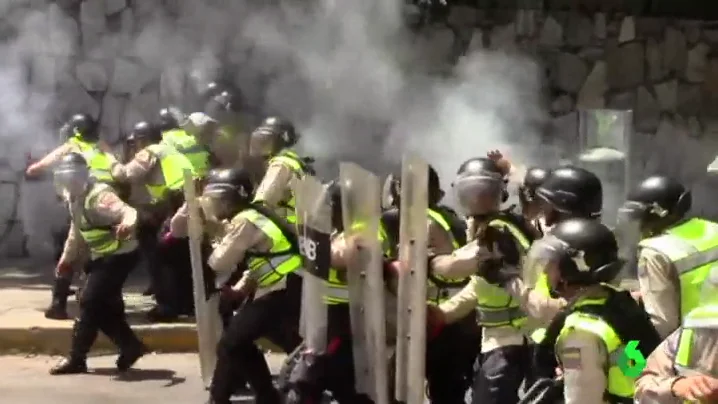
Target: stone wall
x=90, y=56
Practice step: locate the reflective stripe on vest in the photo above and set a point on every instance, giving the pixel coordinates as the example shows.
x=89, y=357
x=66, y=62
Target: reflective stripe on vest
x=100, y=240
x=692, y=247
x=173, y=165
x=495, y=307
x=188, y=145
x=292, y=161
x=683, y=362
x=269, y=270
x=438, y=294
x=619, y=385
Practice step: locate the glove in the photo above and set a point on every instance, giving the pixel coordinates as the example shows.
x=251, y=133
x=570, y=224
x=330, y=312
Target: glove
x=696, y=388
x=230, y=295
x=435, y=321
x=63, y=269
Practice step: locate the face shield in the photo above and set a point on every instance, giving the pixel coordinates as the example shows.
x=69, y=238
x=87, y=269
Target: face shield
x=218, y=202
x=70, y=182
x=479, y=194
x=262, y=143
x=543, y=258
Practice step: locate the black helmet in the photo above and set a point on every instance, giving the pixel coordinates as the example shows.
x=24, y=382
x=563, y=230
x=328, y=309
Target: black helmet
x=85, y=126
x=271, y=136
x=226, y=191
x=658, y=202
x=585, y=251
x=145, y=131
x=392, y=188
x=169, y=118
x=478, y=177
x=571, y=192
x=213, y=89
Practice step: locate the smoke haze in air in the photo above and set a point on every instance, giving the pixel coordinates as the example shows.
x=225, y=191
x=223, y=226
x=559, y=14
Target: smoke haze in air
x=348, y=73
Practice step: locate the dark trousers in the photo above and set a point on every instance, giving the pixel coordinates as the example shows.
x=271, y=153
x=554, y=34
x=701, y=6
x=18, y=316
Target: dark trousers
x=175, y=272
x=500, y=375
x=274, y=316
x=148, y=237
x=332, y=370
x=102, y=307
x=450, y=358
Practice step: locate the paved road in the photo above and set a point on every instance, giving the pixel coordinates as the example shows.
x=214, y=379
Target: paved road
x=169, y=378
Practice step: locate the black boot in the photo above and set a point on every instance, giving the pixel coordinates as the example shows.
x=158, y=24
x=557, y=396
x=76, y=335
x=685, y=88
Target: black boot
x=58, y=307
x=82, y=339
x=131, y=348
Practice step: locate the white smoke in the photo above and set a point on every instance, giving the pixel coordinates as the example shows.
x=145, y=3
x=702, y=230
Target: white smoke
x=349, y=74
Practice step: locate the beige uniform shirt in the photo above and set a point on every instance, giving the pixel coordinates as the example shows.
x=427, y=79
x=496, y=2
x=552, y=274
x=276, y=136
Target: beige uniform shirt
x=275, y=188
x=584, y=359
x=107, y=209
x=655, y=383
x=54, y=156
x=241, y=237
x=660, y=289
x=143, y=169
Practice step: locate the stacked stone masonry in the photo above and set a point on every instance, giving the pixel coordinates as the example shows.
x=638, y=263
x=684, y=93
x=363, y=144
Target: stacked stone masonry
x=86, y=56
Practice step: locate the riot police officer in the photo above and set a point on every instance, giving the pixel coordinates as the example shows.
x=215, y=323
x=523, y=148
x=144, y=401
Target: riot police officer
x=579, y=257
x=480, y=189
x=270, y=145
x=170, y=120
x=157, y=174
x=676, y=253
x=79, y=135
x=684, y=366
x=105, y=225
x=266, y=244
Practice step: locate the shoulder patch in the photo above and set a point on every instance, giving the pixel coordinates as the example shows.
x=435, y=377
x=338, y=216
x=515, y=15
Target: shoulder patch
x=571, y=358
x=107, y=200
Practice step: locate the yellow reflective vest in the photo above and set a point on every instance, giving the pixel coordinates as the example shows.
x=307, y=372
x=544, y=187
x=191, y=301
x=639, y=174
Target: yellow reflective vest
x=173, y=165
x=187, y=145
x=291, y=160
x=281, y=260
x=441, y=288
x=337, y=291
x=99, y=162
x=683, y=362
x=620, y=386
x=495, y=307
x=101, y=240
x=692, y=247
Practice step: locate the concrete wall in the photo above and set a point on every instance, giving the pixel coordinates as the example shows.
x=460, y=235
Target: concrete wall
x=102, y=57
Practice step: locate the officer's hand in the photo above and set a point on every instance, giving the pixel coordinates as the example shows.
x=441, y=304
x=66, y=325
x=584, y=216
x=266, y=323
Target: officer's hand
x=695, y=388
x=63, y=269
x=123, y=231
x=435, y=321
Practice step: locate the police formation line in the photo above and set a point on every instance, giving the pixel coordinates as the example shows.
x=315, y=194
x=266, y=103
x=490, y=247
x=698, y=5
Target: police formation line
x=377, y=291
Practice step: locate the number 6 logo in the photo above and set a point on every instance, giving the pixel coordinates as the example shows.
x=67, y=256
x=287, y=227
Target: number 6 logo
x=308, y=248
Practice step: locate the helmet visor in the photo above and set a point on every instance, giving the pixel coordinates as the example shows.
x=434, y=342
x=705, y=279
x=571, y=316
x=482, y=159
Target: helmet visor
x=219, y=201
x=262, y=143
x=542, y=259
x=70, y=181
x=479, y=194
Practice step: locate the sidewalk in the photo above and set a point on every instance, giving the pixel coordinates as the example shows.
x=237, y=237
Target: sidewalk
x=25, y=293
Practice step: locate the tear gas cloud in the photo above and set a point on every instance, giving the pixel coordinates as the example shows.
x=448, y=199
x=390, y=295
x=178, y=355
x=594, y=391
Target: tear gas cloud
x=347, y=72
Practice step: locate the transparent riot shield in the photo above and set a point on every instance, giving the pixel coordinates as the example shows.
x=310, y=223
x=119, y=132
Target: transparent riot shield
x=628, y=235
x=314, y=229
x=605, y=149
x=411, y=301
x=209, y=322
x=361, y=200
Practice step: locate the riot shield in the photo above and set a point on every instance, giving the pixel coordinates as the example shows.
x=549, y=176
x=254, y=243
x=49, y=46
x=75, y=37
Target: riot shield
x=314, y=229
x=361, y=200
x=411, y=301
x=628, y=235
x=209, y=322
x=605, y=149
